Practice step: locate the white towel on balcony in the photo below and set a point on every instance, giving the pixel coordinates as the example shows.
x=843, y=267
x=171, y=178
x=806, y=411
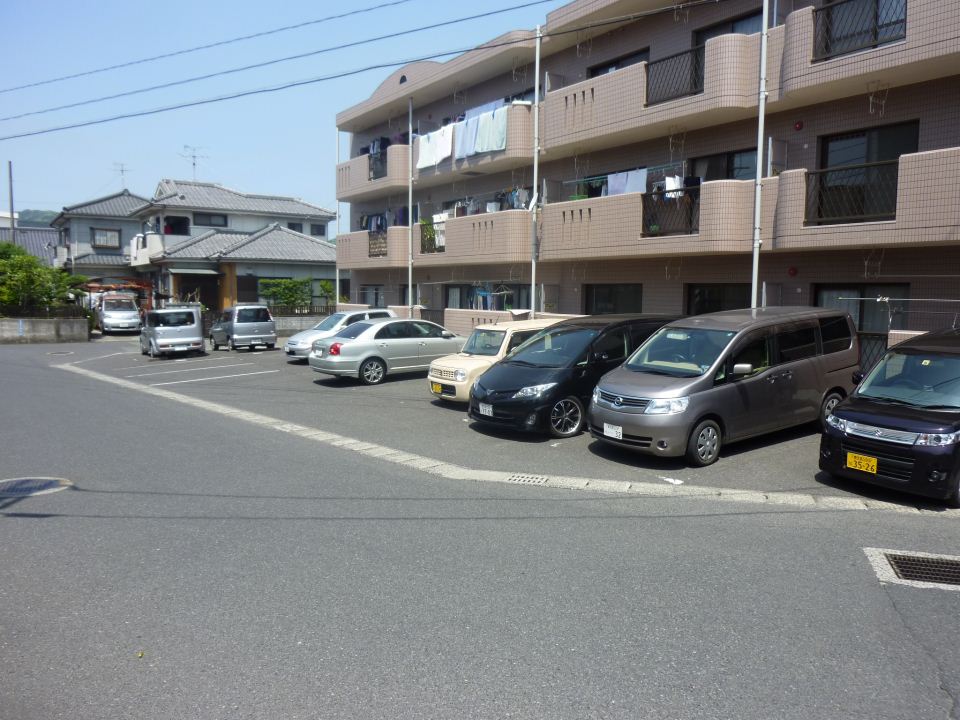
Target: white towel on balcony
x=434, y=147
x=466, y=134
x=492, y=131
x=673, y=184
x=617, y=183
x=636, y=181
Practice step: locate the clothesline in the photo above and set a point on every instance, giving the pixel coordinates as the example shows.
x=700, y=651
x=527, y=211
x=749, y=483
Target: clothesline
x=651, y=169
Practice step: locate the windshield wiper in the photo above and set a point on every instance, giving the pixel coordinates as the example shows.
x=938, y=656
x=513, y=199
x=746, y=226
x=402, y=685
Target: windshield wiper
x=890, y=400
x=940, y=407
x=521, y=362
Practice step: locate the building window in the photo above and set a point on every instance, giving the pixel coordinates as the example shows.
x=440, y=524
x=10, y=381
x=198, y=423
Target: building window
x=318, y=229
x=619, y=63
x=173, y=225
x=296, y=227
x=100, y=237
x=739, y=165
x=372, y=295
x=210, y=219
x=713, y=297
x=745, y=25
x=248, y=287
x=619, y=298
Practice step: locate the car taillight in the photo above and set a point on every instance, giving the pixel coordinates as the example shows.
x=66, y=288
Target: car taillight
x=335, y=349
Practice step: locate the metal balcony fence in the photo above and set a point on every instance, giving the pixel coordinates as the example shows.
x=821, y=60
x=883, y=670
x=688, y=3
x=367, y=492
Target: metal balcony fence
x=377, y=165
x=847, y=26
x=675, y=76
x=671, y=212
x=293, y=310
x=852, y=193
x=376, y=244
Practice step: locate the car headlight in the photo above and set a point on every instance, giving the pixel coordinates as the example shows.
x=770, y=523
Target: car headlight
x=533, y=391
x=460, y=375
x=938, y=439
x=596, y=394
x=836, y=422
x=667, y=406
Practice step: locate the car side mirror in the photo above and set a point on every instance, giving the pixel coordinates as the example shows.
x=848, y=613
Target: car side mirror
x=858, y=376
x=447, y=334
x=741, y=369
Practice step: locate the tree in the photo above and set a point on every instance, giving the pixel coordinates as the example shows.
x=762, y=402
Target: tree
x=26, y=282
x=286, y=292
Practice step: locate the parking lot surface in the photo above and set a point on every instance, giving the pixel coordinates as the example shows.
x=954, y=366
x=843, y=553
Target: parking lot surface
x=402, y=414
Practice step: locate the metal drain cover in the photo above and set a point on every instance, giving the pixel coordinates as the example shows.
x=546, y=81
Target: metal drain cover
x=25, y=487
x=916, y=569
x=528, y=479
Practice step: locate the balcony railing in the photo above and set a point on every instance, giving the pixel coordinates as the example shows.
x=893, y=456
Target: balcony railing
x=847, y=26
x=852, y=193
x=675, y=76
x=378, y=165
x=377, y=244
x=671, y=212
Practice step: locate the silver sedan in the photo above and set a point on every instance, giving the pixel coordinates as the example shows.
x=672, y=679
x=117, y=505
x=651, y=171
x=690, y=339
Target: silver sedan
x=372, y=350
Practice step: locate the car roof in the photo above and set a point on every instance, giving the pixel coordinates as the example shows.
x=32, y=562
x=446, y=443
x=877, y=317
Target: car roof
x=535, y=324
x=743, y=318
x=943, y=341
x=602, y=321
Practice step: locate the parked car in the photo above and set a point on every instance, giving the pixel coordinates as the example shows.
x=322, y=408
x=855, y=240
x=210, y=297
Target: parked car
x=546, y=383
x=704, y=381
x=117, y=312
x=451, y=377
x=372, y=349
x=173, y=329
x=299, y=345
x=246, y=325
x=900, y=428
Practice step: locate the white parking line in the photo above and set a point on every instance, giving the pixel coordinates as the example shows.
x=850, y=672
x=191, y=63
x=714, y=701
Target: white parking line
x=102, y=357
x=179, y=361
x=799, y=501
x=190, y=369
x=219, y=377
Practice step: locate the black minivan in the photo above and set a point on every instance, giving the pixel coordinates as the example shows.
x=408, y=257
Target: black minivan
x=546, y=383
x=900, y=428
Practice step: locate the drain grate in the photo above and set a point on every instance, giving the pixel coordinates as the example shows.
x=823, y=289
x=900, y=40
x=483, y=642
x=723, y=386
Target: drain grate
x=528, y=479
x=25, y=487
x=925, y=569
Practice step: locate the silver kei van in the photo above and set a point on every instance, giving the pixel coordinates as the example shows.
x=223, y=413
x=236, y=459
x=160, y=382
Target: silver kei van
x=245, y=325
x=173, y=329
x=707, y=380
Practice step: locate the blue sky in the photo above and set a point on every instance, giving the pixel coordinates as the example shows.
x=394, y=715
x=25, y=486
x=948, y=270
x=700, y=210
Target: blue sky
x=282, y=143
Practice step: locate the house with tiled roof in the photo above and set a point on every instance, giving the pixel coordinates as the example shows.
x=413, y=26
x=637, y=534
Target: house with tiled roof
x=39, y=242
x=95, y=235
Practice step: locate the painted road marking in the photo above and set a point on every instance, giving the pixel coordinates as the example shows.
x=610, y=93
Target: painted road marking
x=218, y=377
x=191, y=369
x=799, y=501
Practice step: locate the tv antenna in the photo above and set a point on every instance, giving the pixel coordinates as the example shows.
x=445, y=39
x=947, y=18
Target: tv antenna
x=123, y=170
x=191, y=152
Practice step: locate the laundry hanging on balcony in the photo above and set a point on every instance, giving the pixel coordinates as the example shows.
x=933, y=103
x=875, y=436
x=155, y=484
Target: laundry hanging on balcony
x=492, y=131
x=435, y=147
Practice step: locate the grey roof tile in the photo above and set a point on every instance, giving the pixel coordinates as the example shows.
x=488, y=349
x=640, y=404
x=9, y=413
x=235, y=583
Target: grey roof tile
x=211, y=196
x=203, y=246
x=121, y=204
x=39, y=242
x=282, y=244
x=101, y=259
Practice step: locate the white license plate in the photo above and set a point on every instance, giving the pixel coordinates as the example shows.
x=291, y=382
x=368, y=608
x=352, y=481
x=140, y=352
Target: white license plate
x=180, y=348
x=319, y=352
x=614, y=431
x=486, y=409
x=256, y=341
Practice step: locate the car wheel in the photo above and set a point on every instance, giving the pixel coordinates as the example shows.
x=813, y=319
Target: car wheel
x=829, y=403
x=214, y=344
x=372, y=371
x=566, y=417
x=270, y=346
x=703, y=447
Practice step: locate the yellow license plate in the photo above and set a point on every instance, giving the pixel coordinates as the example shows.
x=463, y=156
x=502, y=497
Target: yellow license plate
x=435, y=387
x=864, y=463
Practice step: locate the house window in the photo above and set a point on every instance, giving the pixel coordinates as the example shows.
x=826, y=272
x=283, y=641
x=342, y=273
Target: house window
x=318, y=229
x=100, y=237
x=739, y=165
x=618, y=298
x=296, y=227
x=210, y=219
x=619, y=63
x=713, y=297
x=248, y=288
x=372, y=295
x=745, y=25
x=173, y=225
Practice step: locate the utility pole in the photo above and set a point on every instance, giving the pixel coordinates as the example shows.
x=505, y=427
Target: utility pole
x=534, y=245
x=13, y=222
x=122, y=169
x=761, y=117
x=192, y=155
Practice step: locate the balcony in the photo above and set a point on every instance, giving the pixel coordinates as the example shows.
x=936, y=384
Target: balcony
x=366, y=250
x=480, y=239
x=676, y=76
x=717, y=217
x=913, y=201
x=369, y=176
x=852, y=25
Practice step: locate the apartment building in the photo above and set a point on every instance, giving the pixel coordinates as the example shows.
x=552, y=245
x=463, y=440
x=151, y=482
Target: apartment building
x=647, y=161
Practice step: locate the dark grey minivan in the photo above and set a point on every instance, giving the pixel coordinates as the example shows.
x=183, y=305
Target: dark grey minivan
x=703, y=381
x=244, y=326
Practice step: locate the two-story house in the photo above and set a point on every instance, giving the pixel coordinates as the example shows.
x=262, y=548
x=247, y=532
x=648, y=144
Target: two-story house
x=648, y=120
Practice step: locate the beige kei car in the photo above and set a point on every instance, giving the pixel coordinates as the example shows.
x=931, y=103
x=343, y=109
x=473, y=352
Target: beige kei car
x=451, y=377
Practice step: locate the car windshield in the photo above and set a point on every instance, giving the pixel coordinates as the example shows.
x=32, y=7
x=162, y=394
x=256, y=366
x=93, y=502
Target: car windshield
x=554, y=347
x=680, y=352
x=174, y=319
x=353, y=331
x=914, y=377
x=120, y=305
x=330, y=322
x=484, y=342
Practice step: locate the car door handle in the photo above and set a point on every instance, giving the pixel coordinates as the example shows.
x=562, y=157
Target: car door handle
x=383, y=345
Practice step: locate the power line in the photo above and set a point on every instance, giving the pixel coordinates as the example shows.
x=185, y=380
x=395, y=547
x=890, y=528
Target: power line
x=275, y=61
x=204, y=47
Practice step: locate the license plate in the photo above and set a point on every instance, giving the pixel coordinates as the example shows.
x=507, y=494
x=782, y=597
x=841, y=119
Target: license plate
x=180, y=348
x=256, y=341
x=864, y=463
x=435, y=387
x=319, y=352
x=614, y=431
x=486, y=409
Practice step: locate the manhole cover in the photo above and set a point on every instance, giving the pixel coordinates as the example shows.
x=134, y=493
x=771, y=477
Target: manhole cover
x=917, y=569
x=61, y=352
x=24, y=487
